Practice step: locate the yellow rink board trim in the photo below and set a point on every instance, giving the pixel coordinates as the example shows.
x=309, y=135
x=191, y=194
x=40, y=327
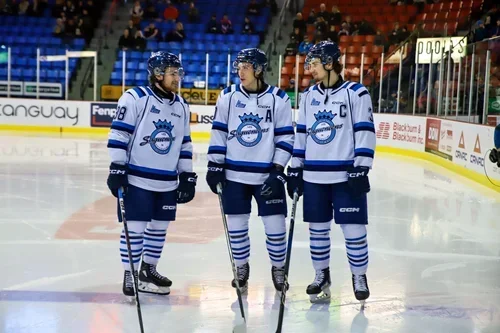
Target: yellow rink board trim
x=204, y=137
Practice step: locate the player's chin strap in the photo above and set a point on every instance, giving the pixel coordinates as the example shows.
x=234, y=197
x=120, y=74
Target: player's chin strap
x=337, y=84
x=162, y=93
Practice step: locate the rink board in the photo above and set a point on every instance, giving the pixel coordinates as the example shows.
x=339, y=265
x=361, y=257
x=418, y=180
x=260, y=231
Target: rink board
x=458, y=146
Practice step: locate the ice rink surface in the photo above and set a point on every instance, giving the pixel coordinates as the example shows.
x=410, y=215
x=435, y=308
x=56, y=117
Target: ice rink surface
x=434, y=243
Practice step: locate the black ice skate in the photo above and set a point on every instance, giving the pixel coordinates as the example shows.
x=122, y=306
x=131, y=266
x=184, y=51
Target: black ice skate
x=360, y=287
x=150, y=281
x=319, y=290
x=243, y=273
x=278, y=275
x=128, y=285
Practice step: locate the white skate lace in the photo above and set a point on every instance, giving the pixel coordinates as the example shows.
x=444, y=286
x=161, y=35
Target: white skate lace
x=360, y=283
x=154, y=272
x=320, y=276
x=279, y=275
x=129, y=282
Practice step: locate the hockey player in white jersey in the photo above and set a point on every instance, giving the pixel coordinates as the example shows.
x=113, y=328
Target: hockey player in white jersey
x=151, y=159
x=332, y=154
x=251, y=142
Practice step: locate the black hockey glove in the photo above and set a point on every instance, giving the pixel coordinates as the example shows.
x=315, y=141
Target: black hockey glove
x=117, y=178
x=495, y=156
x=215, y=175
x=274, y=186
x=357, y=179
x=295, y=182
x=187, y=187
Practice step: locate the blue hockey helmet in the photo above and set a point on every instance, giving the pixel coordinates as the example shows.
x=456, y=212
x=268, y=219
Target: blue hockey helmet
x=253, y=56
x=159, y=61
x=328, y=53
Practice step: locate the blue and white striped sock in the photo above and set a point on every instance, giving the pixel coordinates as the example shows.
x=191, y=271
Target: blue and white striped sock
x=275, y=226
x=319, y=236
x=238, y=235
x=136, y=234
x=154, y=239
x=356, y=245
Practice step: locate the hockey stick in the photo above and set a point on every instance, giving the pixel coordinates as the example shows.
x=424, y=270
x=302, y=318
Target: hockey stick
x=129, y=252
x=287, y=263
x=233, y=265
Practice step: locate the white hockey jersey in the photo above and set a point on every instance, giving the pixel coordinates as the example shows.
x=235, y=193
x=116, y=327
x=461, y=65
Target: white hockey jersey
x=251, y=132
x=151, y=135
x=335, y=135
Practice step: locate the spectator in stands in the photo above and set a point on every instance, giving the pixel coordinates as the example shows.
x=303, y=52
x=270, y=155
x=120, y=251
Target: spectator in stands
x=248, y=28
x=311, y=19
x=193, y=14
x=323, y=13
x=150, y=12
x=152, y=32
x=126, y=41
x=297, y=35
x=70, y=27
x=139, y=41
x=226, y=27
x=212, y=25
x=335, y=16
x=403, y=34
x=253, y=8
x=136, y=12
x=305, y=45
x=59, y=28
x=171, y=13
x=488, y=25
x=344, y=31
x=394, y=35
x=349, y=23
x=479, y=32
x=69, y=9
x=495, y=32
x=291, y=86
x=23, y=7
x=332, y=34
x=131, y=28
x=299, y=23
x=272, y=5
x=379, y=39
x=292, y=47
x=365, y=28
x=321, y=25
x=176, y=35
x=355, y=30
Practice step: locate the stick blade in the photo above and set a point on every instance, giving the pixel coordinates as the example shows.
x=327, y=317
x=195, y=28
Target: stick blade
x=240, y=328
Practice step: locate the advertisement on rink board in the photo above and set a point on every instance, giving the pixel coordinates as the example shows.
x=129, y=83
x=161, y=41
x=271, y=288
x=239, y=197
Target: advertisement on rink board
x=39, y=112
x=192, y=96
x=471, y=144
x=406, y=132
x=439, y=138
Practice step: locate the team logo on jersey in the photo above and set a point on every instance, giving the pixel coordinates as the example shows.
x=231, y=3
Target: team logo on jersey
x=315, y=102
x=239, y=104
x=249, y=132
x=323, y=130
x=154, y=109
x=161, y=139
